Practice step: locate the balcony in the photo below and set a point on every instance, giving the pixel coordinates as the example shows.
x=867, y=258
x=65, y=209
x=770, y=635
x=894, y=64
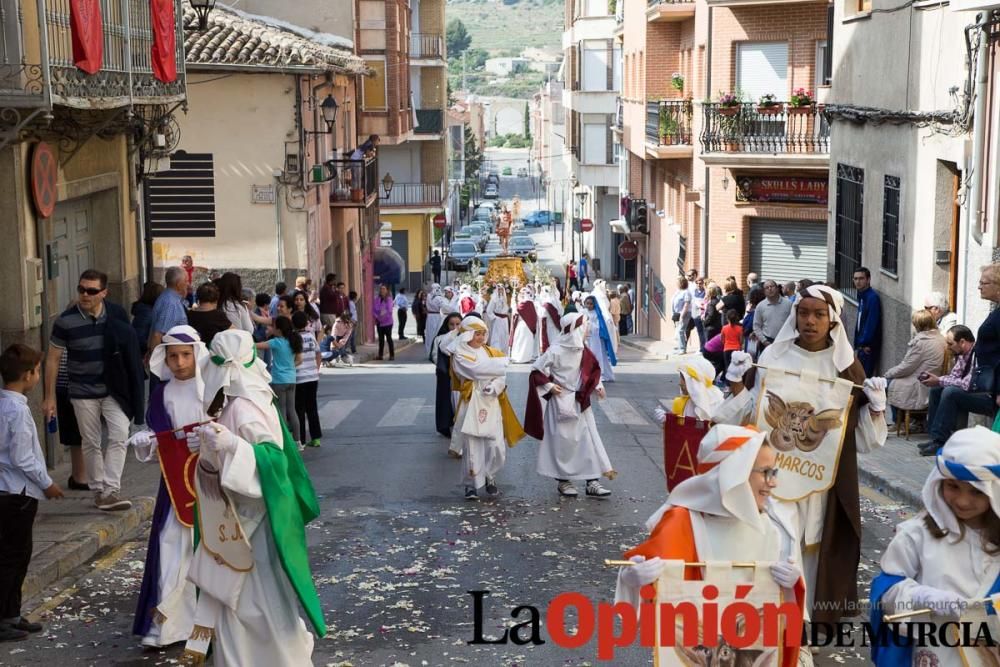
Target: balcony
x=426, y=46
x=355, y=182
x=751, y=3
x=413, y=195
x=430, y=124
x=749, y=135
x=664, y=11
x=668, y=129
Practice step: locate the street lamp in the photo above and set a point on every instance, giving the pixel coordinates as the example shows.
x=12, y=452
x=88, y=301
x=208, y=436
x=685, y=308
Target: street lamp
x=387, y=184
x=202, y=8
x=328, y=108
x=581, y=196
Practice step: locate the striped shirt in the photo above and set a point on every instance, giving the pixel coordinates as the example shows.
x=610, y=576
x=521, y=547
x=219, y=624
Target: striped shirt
x=307, y=371
x=82, y=338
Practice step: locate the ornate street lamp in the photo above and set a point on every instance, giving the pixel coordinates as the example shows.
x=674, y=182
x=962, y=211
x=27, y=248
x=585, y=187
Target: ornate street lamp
x=387, y=184
x=328, y=108
x=202, y=8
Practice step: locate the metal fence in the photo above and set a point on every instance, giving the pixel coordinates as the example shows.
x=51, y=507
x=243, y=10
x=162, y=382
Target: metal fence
x=412, y=194
x=426, y=45
x=429, y=121
x=668, y=122
x=749, y=128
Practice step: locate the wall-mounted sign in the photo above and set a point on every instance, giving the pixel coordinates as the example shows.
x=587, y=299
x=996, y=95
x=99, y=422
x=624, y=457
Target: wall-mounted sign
x=262, y=194
x=44, y=176
x=782, y=189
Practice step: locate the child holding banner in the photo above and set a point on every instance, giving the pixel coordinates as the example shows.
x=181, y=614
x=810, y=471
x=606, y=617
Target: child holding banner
x=807, y=398
x=699, y=398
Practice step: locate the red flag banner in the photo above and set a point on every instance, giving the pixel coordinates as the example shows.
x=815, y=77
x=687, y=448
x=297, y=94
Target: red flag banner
x=88, y=34
x=681, y=438
x=178, y=465
x=164, y=40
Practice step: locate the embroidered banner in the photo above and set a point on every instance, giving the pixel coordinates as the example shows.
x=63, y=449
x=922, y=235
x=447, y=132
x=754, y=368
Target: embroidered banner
x=805, y=418
x=88, y=35
x=164, y=40
x=681, y=438
x=178, y=465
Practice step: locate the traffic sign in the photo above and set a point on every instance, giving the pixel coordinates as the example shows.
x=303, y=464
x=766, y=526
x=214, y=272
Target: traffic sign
x=440, y=221
x=628, y=250
x=586, y=225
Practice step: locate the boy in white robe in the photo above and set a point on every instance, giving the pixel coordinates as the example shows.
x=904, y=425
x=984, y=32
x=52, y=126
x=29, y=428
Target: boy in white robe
x=485, y=423
x=498, y=317
x=597, y=337
x=435, y=304
x=565, y=377
x=524, y=344
x=252, y=613
x=165, y=610
x=550, y=311
x=813, y=339
x=949, y=553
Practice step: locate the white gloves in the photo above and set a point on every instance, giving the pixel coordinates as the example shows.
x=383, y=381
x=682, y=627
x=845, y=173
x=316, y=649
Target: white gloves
x=874, y=389
x=217, y=438
x=739, y=364
x=786, y=573
x=942, y=603
x=643, y=572
x=660, y=414
x=141, y=439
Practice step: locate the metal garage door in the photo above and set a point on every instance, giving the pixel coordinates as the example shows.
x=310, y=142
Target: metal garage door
x=785, y=250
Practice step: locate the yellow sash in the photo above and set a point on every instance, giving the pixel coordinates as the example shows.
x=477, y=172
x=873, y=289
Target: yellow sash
x=679, y=404
x=512, y=430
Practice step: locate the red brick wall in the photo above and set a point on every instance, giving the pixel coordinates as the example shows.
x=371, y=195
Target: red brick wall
x=662, y=59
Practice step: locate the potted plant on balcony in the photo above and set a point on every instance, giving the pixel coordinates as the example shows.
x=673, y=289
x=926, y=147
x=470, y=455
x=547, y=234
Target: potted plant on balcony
x=801, y=101
x=729, y=104
x=677, y=82
x=768, y=105
x=668, y=129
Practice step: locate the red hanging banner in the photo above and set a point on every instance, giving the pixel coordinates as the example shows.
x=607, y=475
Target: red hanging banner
x=178, y=465
x=88, y=34
x=164, y=40
x=681, y=439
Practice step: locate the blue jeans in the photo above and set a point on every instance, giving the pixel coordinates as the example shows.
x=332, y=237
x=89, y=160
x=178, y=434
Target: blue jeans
x=949, y=404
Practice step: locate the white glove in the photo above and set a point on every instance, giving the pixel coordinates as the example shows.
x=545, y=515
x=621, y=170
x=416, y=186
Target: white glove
x=660, y=414
x=193, y=441
x=874, y=389
x=786, y=573
x=739, y=364
x=643, y=572
x=217, y=438
x=942, y=603
x=141, y=439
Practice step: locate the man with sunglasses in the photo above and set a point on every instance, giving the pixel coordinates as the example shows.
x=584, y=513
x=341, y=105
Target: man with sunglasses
x=105, y=381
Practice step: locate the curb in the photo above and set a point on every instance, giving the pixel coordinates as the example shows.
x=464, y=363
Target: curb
x=59, y=560
x=895, y=488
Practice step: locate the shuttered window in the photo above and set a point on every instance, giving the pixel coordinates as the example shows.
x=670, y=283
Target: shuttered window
x=890, y=225
x=762, y=68
x=373, y=87
x=784, y=250
x=182, y=199
x=849, y=227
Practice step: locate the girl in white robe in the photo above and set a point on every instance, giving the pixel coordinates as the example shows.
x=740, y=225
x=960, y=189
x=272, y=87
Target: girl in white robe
x=435, y=304
x=498, y=317
x=524, y=344
x=948, y=554
x=550, y=311
x=699, y=398
x=600, y=292
x=598, y=339
x=565, y=376
x=485, y=434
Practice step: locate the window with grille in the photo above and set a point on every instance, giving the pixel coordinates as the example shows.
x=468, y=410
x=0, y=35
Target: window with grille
x=849, y=223
x=182, y=199
x=890, y=224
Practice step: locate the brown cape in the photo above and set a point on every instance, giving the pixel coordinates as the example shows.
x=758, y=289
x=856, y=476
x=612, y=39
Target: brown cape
x=534, y=415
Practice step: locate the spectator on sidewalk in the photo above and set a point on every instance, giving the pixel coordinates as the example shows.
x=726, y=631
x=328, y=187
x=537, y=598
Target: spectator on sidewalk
x=402, y=305
x=770, y=315
x=69, y=431
x=584, y=270
x=24, y=481
x=231, y=301
x=732, y=298
x=628, y=306
x=681, y=313
x=937, y=304
x=712, y=315
x=286, y=353
x=755, y=296
x=301, y=303
x=336, y=345
x=105, y=381
x=142, y=314
x=382, y=312
x=279, y=291
x=571, y=274
x=307, y=382
x=868, y=328
x=170, y=309
x=419, y=309
x=789, y=290
x=699, y=296
x=436, y=266
x=732, y=335
x=206, y=318
x=328, y=300
x=352, y=305
x=189, y=268
x=925, y=354
x=753, y=282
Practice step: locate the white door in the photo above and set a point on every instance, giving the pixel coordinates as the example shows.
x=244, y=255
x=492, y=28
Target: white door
x=762, y=68
x=71, y=248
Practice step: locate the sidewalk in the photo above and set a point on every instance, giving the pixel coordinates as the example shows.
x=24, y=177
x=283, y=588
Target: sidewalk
x=71, y=531
x=896, y=470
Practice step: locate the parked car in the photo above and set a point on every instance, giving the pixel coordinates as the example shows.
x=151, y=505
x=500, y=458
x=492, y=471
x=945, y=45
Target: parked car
x=523, y=247
x=522, y=173
x=493, y=178
x=507, y=171
x=461, y=253
x=520, y=231
x=483, y=214
x=491, y=191
x=537, y=219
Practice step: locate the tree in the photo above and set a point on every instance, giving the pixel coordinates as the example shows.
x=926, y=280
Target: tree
x=527, y=122
x=473, y=155
x=456, y=37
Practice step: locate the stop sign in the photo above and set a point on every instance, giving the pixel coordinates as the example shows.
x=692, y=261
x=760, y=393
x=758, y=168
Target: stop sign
x=628, y=250
x=586, y=225
x=440, y=221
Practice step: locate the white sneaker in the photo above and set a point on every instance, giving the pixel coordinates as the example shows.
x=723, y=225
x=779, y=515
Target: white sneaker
x=595, y=489
x=350, y=360
x=567, y=489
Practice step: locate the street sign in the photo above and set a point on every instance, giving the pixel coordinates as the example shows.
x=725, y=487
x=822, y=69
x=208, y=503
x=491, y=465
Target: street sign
x=262, y=194
x=440, y=221
x=587, y=225
x=628, y=250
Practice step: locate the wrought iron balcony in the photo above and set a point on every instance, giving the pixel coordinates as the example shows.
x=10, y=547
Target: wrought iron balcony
x=355, y=182
x=426, y=45
x=429, y=121
x=413, y=195
x=749, y=128
x=668, y=123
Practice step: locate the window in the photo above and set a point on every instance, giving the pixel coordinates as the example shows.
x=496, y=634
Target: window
x=182, y=199
x=762, y=68
x=595, y=136
x=374, y=86
x=595, y=65
x=849, y=223
x=890, y=225
x=822, y=70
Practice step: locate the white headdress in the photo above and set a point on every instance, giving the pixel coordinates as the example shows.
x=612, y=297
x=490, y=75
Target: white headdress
x=236, y=369
x=571, y=330
x=699, y=378
x=435, y=290
x=467, y=329
x=970, y=455
x=179, y=335
x=722, y=485
x=465, y=291
x=843, y=353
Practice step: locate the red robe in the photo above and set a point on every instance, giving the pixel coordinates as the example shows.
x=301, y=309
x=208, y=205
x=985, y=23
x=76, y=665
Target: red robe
x=553, y=314
x=534, y=414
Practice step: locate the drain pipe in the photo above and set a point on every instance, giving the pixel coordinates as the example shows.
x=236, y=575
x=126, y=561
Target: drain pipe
x=706, y=209
x=975, y=212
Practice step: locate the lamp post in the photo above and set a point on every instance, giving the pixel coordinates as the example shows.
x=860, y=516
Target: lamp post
x=387, y=184
x=582, y=198
x=202, y=8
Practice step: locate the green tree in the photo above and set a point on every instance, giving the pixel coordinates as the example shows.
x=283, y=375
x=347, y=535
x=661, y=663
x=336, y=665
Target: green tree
x=456, y=37
x=527, y=122
x=473, y=155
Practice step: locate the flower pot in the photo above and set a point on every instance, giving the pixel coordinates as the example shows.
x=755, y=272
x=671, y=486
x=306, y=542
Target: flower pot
x=769, y=110
x=357, y=195
x=808, y=108
x=729, y=111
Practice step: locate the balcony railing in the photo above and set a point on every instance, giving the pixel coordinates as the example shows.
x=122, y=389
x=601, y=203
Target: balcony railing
x=426, y=45
x=355, y=182
x=412, y=194
x=668, y=123
x=653, y=3
x=749, y=128
x=429, y=121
